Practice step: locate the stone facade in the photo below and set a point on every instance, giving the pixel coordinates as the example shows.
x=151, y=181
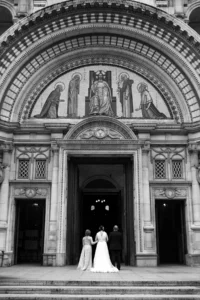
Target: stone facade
x=100, y=109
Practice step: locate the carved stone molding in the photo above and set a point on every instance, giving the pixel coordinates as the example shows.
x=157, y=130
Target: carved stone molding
x=170, y=193
x=30, y=192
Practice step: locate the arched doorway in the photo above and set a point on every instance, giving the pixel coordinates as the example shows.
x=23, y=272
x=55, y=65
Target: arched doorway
x=101, y=201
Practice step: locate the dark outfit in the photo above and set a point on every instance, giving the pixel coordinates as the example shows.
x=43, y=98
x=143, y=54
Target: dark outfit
x=115, y=246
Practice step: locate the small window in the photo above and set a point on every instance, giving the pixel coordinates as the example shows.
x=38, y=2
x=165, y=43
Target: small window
x=23, y=171
x=160, y=169
x=40, y=169
x=177, y=169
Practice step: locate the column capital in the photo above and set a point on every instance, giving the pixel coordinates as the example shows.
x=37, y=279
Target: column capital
x=193, y=147
x=146, y=146
x=2, y=173
x=6, y=147
x=54, y=147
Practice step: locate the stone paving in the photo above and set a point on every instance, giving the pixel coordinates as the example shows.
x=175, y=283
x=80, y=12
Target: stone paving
x=127, y=273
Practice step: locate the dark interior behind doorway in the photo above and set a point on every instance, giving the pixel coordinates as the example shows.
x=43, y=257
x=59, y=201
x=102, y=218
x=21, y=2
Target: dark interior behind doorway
x=29, y=231
x=171, y=238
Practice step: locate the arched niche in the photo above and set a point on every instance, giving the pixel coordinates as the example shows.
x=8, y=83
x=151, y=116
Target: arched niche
x=194, y=21
x=6, y=18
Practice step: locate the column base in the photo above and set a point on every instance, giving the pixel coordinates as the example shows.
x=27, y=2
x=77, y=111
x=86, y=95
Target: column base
x=6, y=259
x=146, y=260
x=49, y=259
x=192, y=260
x=60, y=259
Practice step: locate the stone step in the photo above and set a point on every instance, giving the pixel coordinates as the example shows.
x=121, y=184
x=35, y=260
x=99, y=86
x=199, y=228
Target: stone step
x=98, y=290
x=96, y=283
x=99, y=297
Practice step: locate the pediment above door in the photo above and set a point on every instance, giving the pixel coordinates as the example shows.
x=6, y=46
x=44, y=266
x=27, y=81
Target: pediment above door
x=100, y=128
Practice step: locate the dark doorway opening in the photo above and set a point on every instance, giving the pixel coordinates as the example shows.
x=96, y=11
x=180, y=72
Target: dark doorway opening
x=29, y=240
x=100, y=186
x=101, y=209
x=171, y=237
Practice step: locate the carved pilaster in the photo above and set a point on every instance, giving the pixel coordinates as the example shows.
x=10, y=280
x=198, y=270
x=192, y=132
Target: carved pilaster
x=146, y=192
x=193, y=150
x=52, y=241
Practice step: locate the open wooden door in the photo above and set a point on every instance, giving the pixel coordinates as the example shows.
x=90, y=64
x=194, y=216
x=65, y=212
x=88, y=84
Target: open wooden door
x=73, y=215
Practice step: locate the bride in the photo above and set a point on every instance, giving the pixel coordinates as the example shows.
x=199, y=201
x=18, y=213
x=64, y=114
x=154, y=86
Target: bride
x=102, y=262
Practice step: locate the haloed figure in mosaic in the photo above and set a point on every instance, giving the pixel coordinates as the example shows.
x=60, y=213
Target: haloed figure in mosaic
x=85, y=261
x=125, y=94
x=50, y=107
x=100, y=98
x=73, y=92
x=149, y=110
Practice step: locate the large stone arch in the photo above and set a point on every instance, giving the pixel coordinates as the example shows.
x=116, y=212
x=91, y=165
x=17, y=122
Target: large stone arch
x=58, y=39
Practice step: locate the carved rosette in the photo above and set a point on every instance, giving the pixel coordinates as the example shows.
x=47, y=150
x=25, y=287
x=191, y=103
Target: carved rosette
x=100, y=133
x=170, y=193
x=31, y=192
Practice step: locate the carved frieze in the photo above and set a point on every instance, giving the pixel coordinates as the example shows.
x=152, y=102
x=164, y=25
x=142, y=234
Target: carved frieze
x=170, y=193
x=30, y=192
x=100, y=133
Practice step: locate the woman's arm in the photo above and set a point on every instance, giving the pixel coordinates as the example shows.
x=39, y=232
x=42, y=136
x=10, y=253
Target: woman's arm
x=93, y=242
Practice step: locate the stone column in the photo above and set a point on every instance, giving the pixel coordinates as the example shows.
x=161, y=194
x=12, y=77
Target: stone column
x=195, y=186
x=4, y=203
x=4, y=195
x=52, y=240
x=146, y=193
x=62, y=209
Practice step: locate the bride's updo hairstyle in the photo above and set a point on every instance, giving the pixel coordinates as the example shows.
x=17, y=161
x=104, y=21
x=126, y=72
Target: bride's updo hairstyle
x=101, y=227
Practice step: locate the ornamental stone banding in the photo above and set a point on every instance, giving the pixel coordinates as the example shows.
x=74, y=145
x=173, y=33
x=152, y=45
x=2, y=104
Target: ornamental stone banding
x=76, y=17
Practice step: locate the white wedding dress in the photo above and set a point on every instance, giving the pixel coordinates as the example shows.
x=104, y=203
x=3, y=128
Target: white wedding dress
x=102, y=262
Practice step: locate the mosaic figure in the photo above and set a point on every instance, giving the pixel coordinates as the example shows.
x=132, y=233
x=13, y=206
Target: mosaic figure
x=50, y=108
x=125, y=94
x=149, y=110
x=100, y=98
x=73, y=92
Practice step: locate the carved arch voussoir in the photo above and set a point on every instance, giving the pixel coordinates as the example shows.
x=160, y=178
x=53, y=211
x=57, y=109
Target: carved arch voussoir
x=100, y=128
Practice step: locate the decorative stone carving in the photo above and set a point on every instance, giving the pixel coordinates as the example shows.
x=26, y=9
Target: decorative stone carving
x=100, y=133
x=100, y=128
x=2, y=173
x=169, y=152
x=198, y=174
x=170, y=193
x=30, y=192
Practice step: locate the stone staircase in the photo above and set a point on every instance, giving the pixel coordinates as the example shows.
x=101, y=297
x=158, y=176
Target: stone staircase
x=96, y=290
